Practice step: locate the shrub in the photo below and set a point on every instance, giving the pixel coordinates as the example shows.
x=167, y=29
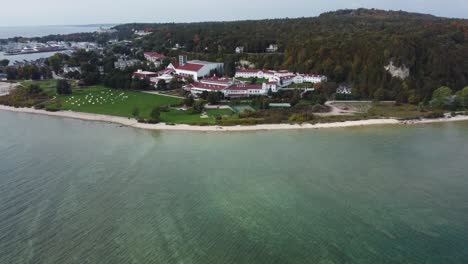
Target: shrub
x=301, y=117
x=435, y=114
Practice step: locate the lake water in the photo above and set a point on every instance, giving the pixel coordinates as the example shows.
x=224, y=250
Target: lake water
x=28, y=57
x=84, y=192
x=41, y=31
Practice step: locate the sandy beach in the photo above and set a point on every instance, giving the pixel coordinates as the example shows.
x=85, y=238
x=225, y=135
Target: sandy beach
x=133, y=123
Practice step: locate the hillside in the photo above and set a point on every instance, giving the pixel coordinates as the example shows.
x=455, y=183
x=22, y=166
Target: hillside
x=352, y=46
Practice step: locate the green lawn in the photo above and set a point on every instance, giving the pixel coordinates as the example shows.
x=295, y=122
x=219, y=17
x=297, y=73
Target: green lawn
x=102, y=100
x=301, y=85
x=249, y=80
x=405, y=111
x=219, y=112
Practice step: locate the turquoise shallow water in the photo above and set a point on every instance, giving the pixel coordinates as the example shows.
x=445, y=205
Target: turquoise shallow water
x=82, y=192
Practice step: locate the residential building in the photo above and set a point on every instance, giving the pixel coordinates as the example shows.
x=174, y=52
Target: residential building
x=283, y=77
x=3, y=77
x=343, y=89
x=140, y=74
x=315, y=78
x=156, y=58
x=67, y=70
x=123, y=63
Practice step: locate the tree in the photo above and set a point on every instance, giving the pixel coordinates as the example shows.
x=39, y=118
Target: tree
x=296, y=98
x=379, y=95
x=136, y=112
x=253, y=80
x=174, y=84
x=34, y=89
x=198, y=107
x=441, y=98
x=213, y=98
x=155, y=115
x=140, y=84
x=161, y=85
x=4, y=62
x=190, y=79
x=63, y=87
x=189, y=101
x=462, y=98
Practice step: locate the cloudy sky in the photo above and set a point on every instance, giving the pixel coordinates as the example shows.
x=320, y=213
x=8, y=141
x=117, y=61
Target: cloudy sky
x=72, y=12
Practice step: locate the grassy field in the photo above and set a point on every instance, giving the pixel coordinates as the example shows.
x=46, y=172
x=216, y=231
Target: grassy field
x=301, y=85
x=102, y=100
x=360, y=107
x=405, y=111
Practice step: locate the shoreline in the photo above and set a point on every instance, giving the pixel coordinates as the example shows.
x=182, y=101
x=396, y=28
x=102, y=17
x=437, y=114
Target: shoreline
x=182, y=127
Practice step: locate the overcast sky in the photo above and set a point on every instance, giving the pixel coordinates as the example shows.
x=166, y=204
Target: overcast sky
x=73, y=12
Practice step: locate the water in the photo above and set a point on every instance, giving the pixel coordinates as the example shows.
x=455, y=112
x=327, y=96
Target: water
x=80, y=192
x=41, y=31
x=28, y=57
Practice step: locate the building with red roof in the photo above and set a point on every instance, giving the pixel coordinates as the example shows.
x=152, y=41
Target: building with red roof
x=196, y=69
x=228, y=87
x=283, y=77
x=144, y=74
x=155, y=58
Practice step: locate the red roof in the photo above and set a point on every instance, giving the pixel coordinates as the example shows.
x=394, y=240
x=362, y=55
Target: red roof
x=205, y=86
x=143, y=75
x=166, y=71
x=155, y=55
x=190, y=67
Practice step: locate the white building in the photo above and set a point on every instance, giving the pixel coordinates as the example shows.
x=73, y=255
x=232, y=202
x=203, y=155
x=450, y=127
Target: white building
x=284, y=78
x=230, y=88
x=272, y=48
x=344, y=90
x=67, y=70
x=123, y=63
x=315, y=78
x=240, y=49
x=195, y=68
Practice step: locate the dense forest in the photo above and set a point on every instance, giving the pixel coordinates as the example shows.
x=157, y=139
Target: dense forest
x=349, y=46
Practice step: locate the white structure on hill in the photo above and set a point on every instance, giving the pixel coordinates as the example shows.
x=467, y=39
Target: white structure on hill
x=344, y=90
x=240, y=49
x=272, y=48
x=283, y=78
x=195, y=68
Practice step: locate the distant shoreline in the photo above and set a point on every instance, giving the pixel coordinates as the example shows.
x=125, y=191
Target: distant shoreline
x=262, y=127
